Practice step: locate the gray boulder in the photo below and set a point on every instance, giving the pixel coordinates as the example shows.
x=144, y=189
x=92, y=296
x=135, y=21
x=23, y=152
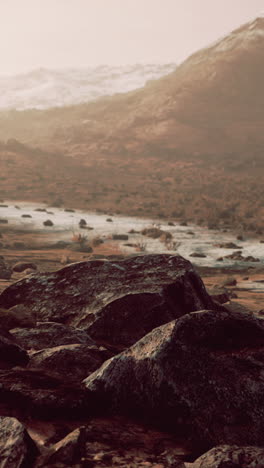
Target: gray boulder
x=230, y=457
x=18, y=316
x=17, y=449
x=48, y=222
x=73, y=362
x=118, y=302
x=49, y=334
x=39, y=393
x=11, y=354
x=201, y=375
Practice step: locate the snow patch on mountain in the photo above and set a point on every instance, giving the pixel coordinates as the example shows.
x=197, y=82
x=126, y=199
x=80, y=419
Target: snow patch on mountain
x=43, y=88
x=246, y=35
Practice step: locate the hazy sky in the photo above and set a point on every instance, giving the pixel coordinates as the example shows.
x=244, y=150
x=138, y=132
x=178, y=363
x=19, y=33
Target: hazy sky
x=79, y=33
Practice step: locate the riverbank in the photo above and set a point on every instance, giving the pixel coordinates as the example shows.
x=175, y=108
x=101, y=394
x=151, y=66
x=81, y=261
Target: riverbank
x=75, y=235
x=39, y=226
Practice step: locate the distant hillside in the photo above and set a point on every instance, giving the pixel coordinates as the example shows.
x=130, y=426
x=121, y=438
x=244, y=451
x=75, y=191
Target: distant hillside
x=43, y=88
x=187, y=190
x=188, y=145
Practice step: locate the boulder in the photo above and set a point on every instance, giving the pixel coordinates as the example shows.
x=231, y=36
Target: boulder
x=201, y=375
x=17, y=316
x=36, y=392
x=11, y=354
x=48, y=222
x=82, y=222
x=118, y=302
x=49, y=334
x=120, y=237
x=239, y=257
x=73, y=362
x=228, y=245
x=22, y=266
x=230, y=457
x=198, y=255
x=220, y=295
x=17, y=449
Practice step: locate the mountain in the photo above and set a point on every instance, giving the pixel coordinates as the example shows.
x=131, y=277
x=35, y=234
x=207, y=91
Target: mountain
x=188, y=145
x=213, y=103
x=43, y=88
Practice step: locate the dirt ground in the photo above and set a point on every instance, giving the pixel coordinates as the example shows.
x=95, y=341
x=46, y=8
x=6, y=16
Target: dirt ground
x=252, y=299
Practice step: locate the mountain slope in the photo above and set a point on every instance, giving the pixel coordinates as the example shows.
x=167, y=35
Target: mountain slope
x=188, y=145
x=212, y=103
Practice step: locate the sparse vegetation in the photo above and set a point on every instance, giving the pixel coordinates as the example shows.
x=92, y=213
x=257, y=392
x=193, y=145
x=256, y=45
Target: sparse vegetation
x=141, y=246
x=207, y=194
x=80, y=239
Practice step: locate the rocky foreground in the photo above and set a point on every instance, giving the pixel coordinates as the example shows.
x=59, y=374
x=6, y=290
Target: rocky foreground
x=128, y=363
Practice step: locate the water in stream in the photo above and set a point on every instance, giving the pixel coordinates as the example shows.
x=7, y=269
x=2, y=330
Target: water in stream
x=186, y=240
